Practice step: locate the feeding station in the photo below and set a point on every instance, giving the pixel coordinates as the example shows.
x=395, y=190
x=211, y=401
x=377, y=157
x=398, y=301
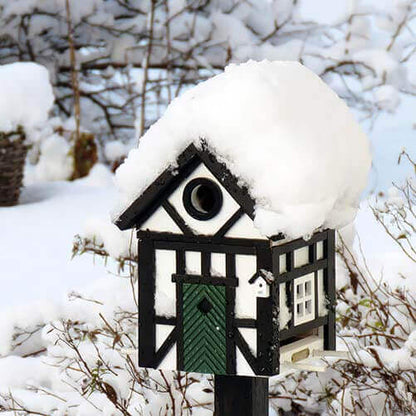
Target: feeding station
x=235, y=194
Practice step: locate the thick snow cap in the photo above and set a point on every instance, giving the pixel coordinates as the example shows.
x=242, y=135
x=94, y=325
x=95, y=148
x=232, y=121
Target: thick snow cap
x=26, y=95
x=279, y=129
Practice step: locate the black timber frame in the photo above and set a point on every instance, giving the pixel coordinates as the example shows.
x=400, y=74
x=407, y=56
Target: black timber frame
x=155, y=194
x=267, y=360
x=269, y=338
x=327, y=264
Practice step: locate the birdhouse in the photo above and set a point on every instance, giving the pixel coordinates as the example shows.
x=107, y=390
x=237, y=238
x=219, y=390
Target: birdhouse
x=234, y=195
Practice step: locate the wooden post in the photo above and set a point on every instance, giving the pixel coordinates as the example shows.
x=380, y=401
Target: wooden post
x=241, y=396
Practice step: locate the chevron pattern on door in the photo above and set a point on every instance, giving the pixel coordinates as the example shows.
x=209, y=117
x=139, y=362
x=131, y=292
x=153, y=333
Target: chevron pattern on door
x=204, y=328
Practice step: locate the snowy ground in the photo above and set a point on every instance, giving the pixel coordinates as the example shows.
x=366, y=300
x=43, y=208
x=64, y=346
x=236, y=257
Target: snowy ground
x=36, y=239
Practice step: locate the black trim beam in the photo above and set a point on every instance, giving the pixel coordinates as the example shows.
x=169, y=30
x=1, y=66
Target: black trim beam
x=180, y=269
x=205, y=280
x=301, y=329
x=299, y=243
x=147, y=327
x=144, y=206
x=245, y=323
x=267, y=322
x=230, y=315
x=302, y=271
x=206, y=263
x=165, y=347
x=239, y=193
x=242, y=345
x=229, y=223
x=330, y=290
x=238, y=243
x=179, y=221
x=312, y=260
x=165, y=320
x=217, y=248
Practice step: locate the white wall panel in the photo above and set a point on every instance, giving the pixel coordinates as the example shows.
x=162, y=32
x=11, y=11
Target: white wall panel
x=301, y=256
x=218, y=264
x=250, y=336
x=211, y=226
x=193, y=262
x=319, y=250
x=282, y=263
x=165, y=297
x=162, y=332
x=162, y=222
x=243, y=367
x=245, y=302
x=244, y=228
x=322, y=300
x=284, y=312
x=169, y=362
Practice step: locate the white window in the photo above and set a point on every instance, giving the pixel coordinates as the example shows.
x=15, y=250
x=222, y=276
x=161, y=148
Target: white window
x=304, y=296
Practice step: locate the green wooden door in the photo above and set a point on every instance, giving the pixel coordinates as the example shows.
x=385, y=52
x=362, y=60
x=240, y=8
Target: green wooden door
x=204, y=328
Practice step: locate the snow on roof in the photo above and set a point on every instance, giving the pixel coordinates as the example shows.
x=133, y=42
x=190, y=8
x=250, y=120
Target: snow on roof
x=279, y=129
x=26, y=95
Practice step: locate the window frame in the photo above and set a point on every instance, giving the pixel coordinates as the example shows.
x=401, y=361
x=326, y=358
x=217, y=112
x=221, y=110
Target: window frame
x=303, y=298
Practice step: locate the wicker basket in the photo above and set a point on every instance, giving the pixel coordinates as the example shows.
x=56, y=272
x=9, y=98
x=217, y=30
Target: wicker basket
x=12, y=160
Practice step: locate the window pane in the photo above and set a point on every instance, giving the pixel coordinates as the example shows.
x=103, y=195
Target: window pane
x=299, y=291
x=299, y=310
x=308, y=288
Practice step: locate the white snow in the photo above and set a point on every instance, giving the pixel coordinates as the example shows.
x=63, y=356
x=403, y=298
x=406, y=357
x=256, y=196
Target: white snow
x=279, y=129
x=36, y=238
x=55, y=161
x=26, y=96
x=115, y=150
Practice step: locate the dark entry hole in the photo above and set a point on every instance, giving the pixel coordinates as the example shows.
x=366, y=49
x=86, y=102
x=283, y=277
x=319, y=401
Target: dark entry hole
x=202, y=198
x=204, y=306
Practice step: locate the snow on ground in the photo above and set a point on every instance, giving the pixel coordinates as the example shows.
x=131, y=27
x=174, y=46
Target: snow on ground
x=36, y=238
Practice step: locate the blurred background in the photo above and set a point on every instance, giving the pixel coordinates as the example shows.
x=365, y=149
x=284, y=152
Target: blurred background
x=109, y=69
x=116, y=64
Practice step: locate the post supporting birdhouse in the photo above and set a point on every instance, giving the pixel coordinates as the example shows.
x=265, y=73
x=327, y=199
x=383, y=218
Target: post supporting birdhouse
x=241, y=396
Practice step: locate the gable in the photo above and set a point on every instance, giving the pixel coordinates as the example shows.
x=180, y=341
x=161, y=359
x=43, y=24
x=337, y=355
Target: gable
x=172, y=208
x=211, y=226
x=167, y=190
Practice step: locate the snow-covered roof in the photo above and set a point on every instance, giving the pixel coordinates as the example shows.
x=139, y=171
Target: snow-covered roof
x=26, y=95
x=280, y=130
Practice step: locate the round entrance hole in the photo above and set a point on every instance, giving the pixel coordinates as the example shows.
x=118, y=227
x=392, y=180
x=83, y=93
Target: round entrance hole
x=202, y=198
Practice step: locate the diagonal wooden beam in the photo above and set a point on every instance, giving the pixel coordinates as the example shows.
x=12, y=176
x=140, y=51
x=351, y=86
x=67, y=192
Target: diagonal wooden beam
x=245, y=350
x=229, y=223
x=179, y=221
x=165, y=347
